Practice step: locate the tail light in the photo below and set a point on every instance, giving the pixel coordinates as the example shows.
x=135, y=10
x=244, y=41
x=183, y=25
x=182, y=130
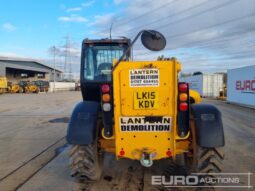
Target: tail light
x=183, y=96
x=183, y=108
x=105, y=88
x=106, y=107
x=106, y=104
x=106, y=97
x=183, y=87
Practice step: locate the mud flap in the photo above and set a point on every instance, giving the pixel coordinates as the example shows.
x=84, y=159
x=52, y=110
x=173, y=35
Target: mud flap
x=83, y=123
x=209, y=127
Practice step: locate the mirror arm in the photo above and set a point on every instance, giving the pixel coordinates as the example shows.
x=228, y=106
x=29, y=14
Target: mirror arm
x=128, y=49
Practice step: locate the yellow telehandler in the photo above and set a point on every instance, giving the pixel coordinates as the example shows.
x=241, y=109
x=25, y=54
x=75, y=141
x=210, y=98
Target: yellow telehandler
x=140, y=111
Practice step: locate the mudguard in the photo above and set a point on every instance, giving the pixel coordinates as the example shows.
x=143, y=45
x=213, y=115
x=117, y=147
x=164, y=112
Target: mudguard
x=83, y=123
x=208, y=125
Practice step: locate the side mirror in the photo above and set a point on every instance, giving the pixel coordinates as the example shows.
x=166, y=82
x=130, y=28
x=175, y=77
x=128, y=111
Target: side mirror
x=153, y=40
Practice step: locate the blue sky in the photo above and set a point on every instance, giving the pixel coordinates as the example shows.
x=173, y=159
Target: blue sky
x=29, y=27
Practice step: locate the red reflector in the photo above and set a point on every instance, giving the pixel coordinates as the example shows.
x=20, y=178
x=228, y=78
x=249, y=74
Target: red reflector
x=122, y=153
x=183, y=87
x=169, y=153
x=105, y=88
x=183, y=106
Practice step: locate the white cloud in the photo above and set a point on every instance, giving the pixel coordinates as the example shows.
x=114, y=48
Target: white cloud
x=189, y=38
x=103, y=20
x=8, y=54
x=73, y=9
x=117, y=2
x=73, y=18
x=186, y=27
x=81, y=7
x=88, y=3
x=9, y=27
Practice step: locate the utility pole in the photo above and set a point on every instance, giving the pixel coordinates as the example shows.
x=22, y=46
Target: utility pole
x=70, y=69
x=69, y=46
x=54, y=67
x=111, y=31
x=66, y=54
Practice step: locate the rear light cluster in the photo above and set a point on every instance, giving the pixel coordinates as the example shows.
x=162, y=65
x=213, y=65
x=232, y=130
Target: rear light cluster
x=106, y=97
x=183, y=96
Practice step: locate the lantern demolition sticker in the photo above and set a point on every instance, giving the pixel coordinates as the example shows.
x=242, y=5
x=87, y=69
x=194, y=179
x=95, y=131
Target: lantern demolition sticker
x=145, y=124
x=144, y=77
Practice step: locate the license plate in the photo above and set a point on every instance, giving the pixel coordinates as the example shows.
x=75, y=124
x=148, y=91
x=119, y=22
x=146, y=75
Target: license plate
x=146, y=100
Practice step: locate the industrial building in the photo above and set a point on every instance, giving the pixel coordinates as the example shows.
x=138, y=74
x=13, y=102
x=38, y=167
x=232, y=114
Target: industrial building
x=16, y=69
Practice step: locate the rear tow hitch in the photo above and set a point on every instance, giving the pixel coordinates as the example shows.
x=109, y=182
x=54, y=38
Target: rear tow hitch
x=146, y=160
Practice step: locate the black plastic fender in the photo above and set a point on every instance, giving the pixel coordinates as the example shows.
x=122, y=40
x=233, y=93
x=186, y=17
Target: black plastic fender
x=83, y=123
x=208, y=125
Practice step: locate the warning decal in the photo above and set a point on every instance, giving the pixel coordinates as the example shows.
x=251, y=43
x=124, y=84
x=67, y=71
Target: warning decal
x=144, y=77
x=145, y=124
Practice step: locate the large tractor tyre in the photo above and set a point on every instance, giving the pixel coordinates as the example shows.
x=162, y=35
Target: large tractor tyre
x=201, y=159
x=86, y=162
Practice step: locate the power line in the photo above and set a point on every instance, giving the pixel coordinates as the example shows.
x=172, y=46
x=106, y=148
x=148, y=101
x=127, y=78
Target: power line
x=214, y=40
x=228, y=57
x=160, y=20
x=218, y=6
x=210, y=26
x=221, y=58
x=147, y=13
x=251, y=52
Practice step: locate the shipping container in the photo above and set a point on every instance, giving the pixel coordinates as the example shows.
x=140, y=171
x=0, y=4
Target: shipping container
x=208, y=85
x=241, y=86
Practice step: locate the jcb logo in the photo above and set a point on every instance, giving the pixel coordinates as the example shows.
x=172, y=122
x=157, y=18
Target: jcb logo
x=145, y=100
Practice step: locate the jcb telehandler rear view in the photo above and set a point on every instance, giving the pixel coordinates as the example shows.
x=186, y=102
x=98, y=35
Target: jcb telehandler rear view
x=138, y=110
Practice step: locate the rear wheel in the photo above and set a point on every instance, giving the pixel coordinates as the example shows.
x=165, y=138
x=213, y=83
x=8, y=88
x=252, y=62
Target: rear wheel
x=86, y=162
x=202, y=159
x=20, y=90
